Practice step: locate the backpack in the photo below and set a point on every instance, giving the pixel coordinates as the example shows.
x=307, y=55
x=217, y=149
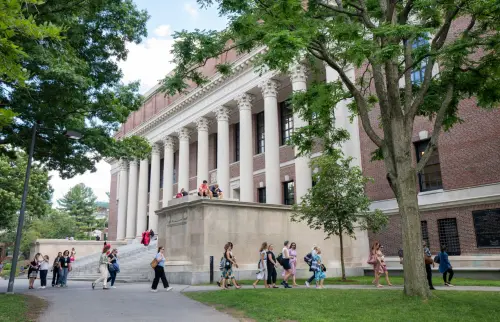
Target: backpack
x=279, y=259
x=222, y=263
x=437, y=259
x=308, y=259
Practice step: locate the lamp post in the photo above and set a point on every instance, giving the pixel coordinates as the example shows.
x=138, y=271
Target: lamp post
x=70, y=134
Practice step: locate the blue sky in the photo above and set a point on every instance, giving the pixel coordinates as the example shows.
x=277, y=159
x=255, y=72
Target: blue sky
x=148, y=62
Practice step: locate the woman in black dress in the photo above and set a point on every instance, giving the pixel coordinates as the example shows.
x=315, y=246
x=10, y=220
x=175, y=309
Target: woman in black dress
x=271, y=267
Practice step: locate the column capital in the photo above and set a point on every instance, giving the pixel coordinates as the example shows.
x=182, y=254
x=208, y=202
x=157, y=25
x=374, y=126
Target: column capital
x=133, y=163
x=184, y=133
x=202, y=124
x=222, y=113
x=123, y=165
x=269, y=87
x=169, y=142
x=155, y=148
x=245, y=101
x=298, y=72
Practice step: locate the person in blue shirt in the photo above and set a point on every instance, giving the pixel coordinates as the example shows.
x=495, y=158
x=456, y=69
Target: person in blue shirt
x=445, y=266
x=217, y=192
x=160, y=271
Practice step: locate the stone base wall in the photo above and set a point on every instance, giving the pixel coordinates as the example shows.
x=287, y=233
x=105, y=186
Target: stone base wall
x=83, y=248
x=193, y=231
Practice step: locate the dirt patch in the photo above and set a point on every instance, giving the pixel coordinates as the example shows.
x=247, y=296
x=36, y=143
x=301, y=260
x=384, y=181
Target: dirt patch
x=36, y=306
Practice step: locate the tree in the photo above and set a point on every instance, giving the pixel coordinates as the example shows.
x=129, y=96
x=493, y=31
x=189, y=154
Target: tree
x=379, y=38
x=12, y=172
x=337, y=203
x=73, y=83
x=80, y=203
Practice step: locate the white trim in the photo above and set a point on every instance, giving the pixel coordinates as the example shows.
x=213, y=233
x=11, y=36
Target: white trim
x=440, y=199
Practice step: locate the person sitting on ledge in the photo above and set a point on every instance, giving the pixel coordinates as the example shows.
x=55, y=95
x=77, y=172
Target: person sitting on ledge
x=181, y=193
x=204, y=191
x=217, y=192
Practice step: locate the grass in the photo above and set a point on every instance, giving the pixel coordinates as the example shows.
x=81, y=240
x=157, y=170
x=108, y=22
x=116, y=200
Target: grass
x=395, y=280
x=20, y=308
x=351, y=305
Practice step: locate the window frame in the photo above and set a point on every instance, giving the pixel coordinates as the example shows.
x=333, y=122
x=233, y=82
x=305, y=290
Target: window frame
x=452, y=248
x=286, y=193
x=236, y=142
x=286, y=121
x=417, y=75
x=424, y=184
x=261, y=195
x=260, y=133
x=424, y=229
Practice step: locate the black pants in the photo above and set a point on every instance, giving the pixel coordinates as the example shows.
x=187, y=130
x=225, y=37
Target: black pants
x=55, y=276
x=43, y=277
x=112, y=277
x=159, y=273
x=448, y=271
x=271, y=275
x=429, y=274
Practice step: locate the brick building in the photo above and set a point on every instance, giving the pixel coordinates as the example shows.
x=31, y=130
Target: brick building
x=233, y=132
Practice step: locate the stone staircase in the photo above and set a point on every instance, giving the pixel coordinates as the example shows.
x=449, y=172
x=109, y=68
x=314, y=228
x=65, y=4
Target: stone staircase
x=134, y=260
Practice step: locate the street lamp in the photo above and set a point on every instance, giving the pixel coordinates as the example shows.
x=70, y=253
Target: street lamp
x=69, y=134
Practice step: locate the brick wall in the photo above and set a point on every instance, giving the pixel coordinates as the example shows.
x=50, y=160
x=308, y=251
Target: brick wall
x=391, y=236
x=113, y=209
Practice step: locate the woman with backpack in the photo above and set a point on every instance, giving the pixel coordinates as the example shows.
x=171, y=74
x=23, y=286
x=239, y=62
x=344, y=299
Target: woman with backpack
x=445, y=265
x=262, y=274
x=309, y=260
x=227, y=272
x=271, y=267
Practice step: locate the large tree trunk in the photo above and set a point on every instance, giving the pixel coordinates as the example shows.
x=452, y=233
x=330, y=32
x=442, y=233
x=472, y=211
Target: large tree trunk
x=405, y=187
x=342, y=265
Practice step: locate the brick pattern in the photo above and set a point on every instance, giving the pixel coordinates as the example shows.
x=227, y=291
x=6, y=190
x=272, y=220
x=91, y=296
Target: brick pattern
x=391, y=236
x=287, y=153
x=113, y=209
x=234, y=170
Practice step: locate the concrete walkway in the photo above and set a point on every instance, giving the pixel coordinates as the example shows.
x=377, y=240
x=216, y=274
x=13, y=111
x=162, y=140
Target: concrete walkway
x=126, y=303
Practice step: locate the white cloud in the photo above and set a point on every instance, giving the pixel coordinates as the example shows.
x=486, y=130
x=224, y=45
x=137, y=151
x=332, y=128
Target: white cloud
x=191, y=10
x=99, y=181
x=163, y=31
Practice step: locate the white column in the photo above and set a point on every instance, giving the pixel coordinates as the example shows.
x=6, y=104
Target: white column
x=303, y=173
x=154, y=189
x=142, y=198
x=223, y=149
x=272, y=145
x=183, y=182
x=246, y=148
x=168, y=169
x=122, y=201
x=132, y=199
x=202, y=168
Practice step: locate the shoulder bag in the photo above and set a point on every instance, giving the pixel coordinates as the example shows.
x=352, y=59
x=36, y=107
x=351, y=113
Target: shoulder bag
x=154, y=263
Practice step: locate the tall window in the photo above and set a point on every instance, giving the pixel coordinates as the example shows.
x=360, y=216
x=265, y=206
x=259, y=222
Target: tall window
x=286, y=121
x=261, y=195
x=174, y=173
x=425, y=232
x=261, y=136
x=161, y=173
x=448, y=235
x=417, y=74
x=430, y=176
x=288, y=193
x=237, y=142
x=149, y=177
x=216, y=147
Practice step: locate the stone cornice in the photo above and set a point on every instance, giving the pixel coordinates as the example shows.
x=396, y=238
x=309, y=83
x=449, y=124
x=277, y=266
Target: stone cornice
x=216, y=81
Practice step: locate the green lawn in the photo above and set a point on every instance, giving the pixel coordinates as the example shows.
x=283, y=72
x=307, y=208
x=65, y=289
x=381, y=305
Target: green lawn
x=396, y=280
x=352, y=305
x=20, y=308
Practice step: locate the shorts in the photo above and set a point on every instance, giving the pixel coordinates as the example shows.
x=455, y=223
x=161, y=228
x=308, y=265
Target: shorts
x=286, y=263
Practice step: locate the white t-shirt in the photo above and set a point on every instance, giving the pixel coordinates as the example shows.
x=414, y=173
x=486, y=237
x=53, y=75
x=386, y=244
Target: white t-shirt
x=44, y=266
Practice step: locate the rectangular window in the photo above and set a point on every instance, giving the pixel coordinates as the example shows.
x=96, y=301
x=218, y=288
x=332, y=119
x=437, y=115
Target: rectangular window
x=425, y=232
x=417, y=74
x=161, y=173
x=237, y=142
x=448, y=235
x=174, y=173
x=261, y=195
x=216, y=147
x=286, y=112
x=487, y=227
x=288, y=193
x=261, y=136
x=430, y=176
x=149, y=177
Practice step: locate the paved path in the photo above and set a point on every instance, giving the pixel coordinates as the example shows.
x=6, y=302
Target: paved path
x=126, y=303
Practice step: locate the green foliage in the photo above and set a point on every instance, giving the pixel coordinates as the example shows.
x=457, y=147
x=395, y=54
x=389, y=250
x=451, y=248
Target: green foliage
x=80, y=203
x=12, y=174
x=73, y=82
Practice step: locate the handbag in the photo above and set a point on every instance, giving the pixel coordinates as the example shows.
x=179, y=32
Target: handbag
x=154, y=263
x=428, y=260
x=372, y=260
x=111, y=268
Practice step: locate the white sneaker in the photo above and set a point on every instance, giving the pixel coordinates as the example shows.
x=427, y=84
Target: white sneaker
x=154, y=291
x=169, y=288
x=40, y=287
x=307, y=284
x=43, y=287
x=113, y=286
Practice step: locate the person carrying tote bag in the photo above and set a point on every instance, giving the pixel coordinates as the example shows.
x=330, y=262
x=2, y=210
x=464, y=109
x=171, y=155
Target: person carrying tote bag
x=158, y=264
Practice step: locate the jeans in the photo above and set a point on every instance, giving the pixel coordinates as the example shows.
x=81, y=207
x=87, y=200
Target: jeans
x=159, y=274
x=448, y=271
x=429, y=275
x=112, y=277
x=103, y=268
x=311, y=278
x=55, y=276
x=271, y=274
x=43, y=277
x=63, y=276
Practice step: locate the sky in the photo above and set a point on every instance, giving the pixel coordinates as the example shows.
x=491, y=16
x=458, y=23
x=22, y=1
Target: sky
x=147, y=62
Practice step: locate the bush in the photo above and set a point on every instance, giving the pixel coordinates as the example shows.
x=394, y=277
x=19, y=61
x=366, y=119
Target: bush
x=6, y=266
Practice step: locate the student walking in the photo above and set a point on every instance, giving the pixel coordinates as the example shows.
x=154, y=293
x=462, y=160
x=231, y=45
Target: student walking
x=320, y=269
x=113, y=267
x=286, y=264
x=262, y=265
x=55, y=269
x=309, y=260
x=33, y=269
x=160, y=271
x=293, y=262
x=103, y=269
x=383, y=265
x=445, y=267
x=271, y=267
x=44, y=269
x=227, y=272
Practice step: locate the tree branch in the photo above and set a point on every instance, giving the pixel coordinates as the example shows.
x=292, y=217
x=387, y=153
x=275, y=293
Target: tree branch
x=405, y=13
x=438, y=124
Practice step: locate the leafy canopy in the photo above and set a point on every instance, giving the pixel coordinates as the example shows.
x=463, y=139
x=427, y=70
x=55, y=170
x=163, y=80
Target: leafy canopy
x=80, y=203
x=73, y=83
